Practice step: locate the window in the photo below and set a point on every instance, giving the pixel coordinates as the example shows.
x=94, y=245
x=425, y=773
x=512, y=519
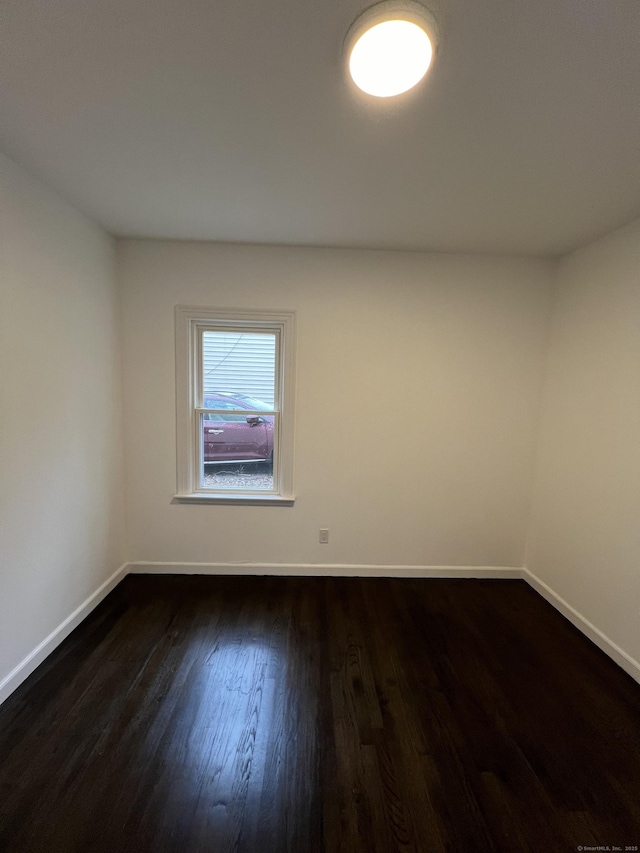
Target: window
x=234, y=393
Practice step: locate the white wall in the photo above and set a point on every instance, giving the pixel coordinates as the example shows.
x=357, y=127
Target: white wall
x=585, y=531
x=418, y=387
x=419, y=383
x=61, y=508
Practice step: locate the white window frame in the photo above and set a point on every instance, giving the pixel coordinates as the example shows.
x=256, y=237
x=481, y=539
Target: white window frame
x=190, y=323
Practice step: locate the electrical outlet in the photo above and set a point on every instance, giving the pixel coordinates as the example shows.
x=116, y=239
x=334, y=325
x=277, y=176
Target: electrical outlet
x=324, y=536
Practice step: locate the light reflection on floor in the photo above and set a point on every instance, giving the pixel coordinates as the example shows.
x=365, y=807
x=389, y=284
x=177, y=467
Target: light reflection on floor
x=232, y=711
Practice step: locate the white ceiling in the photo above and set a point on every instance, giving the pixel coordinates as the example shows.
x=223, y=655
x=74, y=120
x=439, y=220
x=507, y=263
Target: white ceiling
x=229, y=120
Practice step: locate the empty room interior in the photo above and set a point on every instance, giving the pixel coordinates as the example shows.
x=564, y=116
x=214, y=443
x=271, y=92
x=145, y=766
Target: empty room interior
x=320, y=439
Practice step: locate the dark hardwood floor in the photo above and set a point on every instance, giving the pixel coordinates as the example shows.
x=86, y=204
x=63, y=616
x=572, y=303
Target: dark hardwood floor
x=321, y=714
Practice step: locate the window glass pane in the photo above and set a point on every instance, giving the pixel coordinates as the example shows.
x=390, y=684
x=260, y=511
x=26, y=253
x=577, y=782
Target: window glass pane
x=235, y=396
x=238, y=452
x=240, y=366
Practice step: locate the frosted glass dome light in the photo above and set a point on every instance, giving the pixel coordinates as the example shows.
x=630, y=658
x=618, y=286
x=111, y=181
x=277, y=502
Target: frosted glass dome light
x=390, y=48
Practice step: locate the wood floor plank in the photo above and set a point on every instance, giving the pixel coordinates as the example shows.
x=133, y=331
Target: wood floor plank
x=321, y=715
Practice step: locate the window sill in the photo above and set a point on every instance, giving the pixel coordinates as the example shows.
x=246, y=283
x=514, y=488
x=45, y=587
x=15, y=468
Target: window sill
x=229, y=499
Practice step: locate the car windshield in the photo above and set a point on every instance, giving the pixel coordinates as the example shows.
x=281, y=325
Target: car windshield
x=241, y=401
x=254, y=403
x=222, y=403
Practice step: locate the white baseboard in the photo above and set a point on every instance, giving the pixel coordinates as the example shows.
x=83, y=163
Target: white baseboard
x=324, y=569
x=613, y=650
x=35, y=658
x=631, y=666
x=26, y=666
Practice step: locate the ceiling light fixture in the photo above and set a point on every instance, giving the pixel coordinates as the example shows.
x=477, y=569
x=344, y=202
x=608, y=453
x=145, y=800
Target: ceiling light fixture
x=389, y=48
